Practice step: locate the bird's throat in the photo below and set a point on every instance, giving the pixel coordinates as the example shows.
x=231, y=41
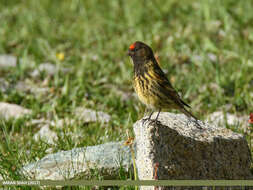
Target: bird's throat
x=140, y=67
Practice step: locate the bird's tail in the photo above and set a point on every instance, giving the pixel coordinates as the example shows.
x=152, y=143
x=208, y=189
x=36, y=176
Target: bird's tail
x=189, y=114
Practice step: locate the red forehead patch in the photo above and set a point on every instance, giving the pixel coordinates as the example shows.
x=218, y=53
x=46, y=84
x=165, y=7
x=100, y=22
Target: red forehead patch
x=132, y=46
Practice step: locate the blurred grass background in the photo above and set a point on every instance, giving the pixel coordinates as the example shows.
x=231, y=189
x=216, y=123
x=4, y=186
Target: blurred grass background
x=205, y=47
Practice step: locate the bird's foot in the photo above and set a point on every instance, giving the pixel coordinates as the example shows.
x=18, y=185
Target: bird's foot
x=155, y=121
x=144, y=120
x=151, y=121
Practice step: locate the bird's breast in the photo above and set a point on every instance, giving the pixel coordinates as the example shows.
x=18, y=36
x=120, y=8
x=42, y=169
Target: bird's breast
x=142, y=86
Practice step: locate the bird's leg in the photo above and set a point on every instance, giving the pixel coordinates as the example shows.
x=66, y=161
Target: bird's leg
x=156, y=119
x=150, y=115
x=144, y=114
x=144, y=120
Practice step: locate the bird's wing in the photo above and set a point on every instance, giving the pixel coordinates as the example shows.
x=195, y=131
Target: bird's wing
x=165, y=85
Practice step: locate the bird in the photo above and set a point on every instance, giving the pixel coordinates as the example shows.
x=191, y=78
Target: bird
x=151, y=84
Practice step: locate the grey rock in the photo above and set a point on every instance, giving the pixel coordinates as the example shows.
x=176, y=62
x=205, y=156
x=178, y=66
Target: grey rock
x=46, y=134
x=212, y=57
x=59, y=123
x=4, y=85
x=183, y=151
x=8, y=111
x=45, y=67
x=28, y=86
x=89, y=115
x=49, y=68
x=7, y=61
x=79, y=162
x=222, y=33
x=219, y=118
x=39, y=122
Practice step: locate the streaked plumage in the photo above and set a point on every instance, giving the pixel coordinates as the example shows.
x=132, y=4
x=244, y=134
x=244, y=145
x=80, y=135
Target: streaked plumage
x=151, y=84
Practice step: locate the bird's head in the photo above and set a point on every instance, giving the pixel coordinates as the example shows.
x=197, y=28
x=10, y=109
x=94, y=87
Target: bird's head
x=140, y=51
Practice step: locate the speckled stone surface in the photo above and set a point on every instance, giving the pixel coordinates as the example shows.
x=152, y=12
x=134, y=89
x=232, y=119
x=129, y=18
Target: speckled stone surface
x=183, y=151
x=77, y=163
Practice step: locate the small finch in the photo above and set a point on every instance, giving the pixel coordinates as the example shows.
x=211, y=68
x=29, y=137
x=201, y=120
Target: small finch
x=151, y=84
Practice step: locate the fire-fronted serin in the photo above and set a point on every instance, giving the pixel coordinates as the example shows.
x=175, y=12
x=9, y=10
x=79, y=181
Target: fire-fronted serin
x=151, y=84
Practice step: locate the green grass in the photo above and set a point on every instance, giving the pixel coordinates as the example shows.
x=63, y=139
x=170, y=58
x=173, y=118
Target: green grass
x=94, y=37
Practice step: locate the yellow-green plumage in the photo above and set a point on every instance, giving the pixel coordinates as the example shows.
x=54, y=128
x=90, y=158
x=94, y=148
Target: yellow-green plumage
x=154, y=91
x=151, y=84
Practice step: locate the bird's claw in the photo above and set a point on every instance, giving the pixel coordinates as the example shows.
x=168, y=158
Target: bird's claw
x=144, y=120
x=155, y=121
x=152, y=121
